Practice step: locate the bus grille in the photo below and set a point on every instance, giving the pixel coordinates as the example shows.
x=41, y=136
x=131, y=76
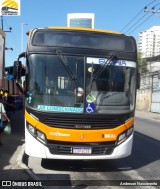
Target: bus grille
x=62, y=149
x=82, y=123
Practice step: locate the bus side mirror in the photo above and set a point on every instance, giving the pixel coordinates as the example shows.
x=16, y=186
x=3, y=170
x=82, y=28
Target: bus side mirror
x=17, y=69
x=138, y=80
x=22, y=55
x=17, y=72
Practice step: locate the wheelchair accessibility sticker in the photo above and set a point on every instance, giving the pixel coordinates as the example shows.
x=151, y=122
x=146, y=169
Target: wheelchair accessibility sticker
x=90, y=107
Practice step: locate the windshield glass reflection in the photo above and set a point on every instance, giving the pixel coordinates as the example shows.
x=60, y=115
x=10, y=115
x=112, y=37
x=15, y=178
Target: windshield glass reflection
x=51, y=87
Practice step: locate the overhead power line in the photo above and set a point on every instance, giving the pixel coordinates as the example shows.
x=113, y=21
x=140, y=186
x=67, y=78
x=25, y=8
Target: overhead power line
x=136, y=16
x=145, y=20
x=147, y=11
x=136, y=22
x=152, y=10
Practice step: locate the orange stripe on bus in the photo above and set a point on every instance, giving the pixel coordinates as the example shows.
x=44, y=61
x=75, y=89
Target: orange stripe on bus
x=74, y=135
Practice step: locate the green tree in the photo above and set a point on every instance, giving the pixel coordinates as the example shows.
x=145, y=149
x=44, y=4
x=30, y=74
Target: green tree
x=142, y=64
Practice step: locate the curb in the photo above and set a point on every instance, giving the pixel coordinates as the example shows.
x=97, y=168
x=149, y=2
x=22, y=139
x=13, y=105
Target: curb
x=153, y=117
x=147, y=114
x=19, y=162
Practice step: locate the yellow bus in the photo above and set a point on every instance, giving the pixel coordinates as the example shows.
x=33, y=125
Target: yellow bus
x=80, y=87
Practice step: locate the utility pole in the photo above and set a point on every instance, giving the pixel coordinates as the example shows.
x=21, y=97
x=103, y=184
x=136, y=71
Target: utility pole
x=2, y=21
x=23, y=24
x=153, y=11
x=10, y=28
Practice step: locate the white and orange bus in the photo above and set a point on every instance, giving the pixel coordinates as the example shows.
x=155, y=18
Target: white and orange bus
x=80, y=91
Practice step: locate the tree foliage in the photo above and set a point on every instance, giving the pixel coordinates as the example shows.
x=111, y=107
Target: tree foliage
x=142, y=64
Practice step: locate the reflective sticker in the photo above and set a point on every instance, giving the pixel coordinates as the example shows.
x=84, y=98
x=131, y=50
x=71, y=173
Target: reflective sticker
x=90, y=98
x=79, y=92
x=60, y=109
x=90, y=107
x=90, y=69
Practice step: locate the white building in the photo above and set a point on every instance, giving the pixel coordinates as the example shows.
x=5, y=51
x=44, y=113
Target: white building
x=84, y=20
x=149, y=42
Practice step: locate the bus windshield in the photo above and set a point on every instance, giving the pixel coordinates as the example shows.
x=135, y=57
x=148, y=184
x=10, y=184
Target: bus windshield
x=51, y=87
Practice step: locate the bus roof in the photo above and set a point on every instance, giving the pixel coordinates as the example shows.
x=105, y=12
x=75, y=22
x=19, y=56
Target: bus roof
x=82, y=29
x=46, y=37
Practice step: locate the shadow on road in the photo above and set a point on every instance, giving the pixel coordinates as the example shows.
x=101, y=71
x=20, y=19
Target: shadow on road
x=145, y=151
x=13, y=141
x=9, y=170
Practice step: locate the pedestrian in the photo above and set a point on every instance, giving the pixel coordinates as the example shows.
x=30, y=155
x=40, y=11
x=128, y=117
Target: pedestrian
x=3, y=119
x=8, y=103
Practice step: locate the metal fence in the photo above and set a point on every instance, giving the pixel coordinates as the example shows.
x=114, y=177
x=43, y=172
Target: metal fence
x=151, y=81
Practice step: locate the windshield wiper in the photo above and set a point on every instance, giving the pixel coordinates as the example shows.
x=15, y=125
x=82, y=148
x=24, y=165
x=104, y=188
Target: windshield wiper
x=65, y=64
x=91, y=79
x=107, y=63
x=94, y=77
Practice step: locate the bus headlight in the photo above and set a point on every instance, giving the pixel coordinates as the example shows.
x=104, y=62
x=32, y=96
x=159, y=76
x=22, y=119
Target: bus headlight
x=36, y=133
x=122, y=137
x=129, y=131
x=31, y=129
x=41, y=137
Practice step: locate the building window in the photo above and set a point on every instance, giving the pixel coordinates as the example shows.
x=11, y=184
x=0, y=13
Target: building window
x=81, y=22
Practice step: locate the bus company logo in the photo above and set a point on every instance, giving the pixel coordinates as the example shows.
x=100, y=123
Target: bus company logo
x=9, y=7
x=83, y=136
x=58, y=134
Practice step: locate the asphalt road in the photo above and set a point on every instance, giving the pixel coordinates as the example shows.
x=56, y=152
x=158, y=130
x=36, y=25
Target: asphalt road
x=149, y=127
x=143, y=164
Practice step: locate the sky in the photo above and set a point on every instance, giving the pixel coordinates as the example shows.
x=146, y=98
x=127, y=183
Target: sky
x=125, y=16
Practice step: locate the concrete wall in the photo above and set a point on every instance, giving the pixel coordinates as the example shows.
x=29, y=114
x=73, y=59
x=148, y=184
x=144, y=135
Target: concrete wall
x=143, y=102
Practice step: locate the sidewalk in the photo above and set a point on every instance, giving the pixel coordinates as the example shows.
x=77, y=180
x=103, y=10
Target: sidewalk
x=11, y=154
x=147, y=115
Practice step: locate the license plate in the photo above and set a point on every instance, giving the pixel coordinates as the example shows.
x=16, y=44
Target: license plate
x=82, y=150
